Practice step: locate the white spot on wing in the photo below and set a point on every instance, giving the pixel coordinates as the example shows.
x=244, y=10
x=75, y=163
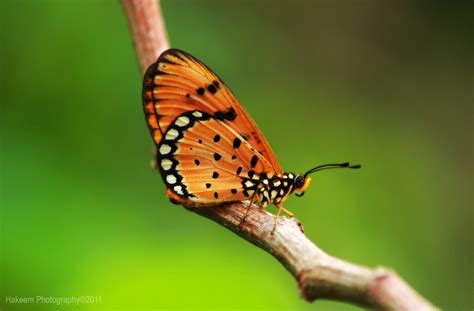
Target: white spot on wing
x=197, y=114
x=178, y=189
x=172, y=134
x=166, y=164
x=249, y=184
x=182, y=121
x=171, y=179
x=165, y=149
x=277, y=183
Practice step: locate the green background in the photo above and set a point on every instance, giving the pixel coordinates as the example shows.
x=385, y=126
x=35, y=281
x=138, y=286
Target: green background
x=385, y=84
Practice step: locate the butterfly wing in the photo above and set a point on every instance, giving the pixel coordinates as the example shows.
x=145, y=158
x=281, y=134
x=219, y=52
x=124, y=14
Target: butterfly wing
x=209, y=166
x=209, y=148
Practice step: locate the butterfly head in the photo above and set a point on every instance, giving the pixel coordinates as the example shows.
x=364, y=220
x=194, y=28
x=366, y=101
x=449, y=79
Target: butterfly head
x=302, y=182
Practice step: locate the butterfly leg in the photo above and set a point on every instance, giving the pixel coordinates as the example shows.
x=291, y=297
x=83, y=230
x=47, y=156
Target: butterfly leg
x=287, y=212
x=277, y=217
x=254, y=199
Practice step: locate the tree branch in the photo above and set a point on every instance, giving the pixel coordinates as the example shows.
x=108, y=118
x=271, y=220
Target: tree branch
x=147, y=28
x=318, y=274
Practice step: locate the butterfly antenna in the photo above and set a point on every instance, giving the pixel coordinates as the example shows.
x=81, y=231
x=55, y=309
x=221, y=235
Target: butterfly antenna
x=331, y=166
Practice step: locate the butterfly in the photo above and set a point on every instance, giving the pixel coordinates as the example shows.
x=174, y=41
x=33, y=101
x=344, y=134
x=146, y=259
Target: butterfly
x=209, y=150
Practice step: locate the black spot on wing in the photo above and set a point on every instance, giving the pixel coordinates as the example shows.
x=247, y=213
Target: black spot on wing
x=230, y=114
x=212, y=88
x=236, y=143
x=253, y=161
x=226, y=115
x=219, y=115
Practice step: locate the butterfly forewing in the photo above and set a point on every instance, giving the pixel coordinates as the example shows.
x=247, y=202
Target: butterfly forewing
x=207, y=143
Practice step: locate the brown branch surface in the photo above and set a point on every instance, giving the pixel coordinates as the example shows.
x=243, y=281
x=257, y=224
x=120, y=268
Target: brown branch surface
x=319, y=275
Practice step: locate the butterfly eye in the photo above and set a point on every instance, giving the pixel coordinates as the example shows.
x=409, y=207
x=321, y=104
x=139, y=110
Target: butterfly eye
x=299, y=181
x=300, y=185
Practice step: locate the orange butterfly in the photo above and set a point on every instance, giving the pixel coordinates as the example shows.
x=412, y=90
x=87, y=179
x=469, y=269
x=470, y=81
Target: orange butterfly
x=209, y=150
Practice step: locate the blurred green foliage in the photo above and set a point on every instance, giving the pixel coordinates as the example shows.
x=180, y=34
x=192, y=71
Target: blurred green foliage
x=388, y=85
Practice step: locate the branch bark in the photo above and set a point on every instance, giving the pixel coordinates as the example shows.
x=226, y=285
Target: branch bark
x=319, y=275
x=147, y=28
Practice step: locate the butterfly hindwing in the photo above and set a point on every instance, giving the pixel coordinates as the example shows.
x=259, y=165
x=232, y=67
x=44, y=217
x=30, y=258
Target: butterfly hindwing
x=210, y=165
x=207, y=143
